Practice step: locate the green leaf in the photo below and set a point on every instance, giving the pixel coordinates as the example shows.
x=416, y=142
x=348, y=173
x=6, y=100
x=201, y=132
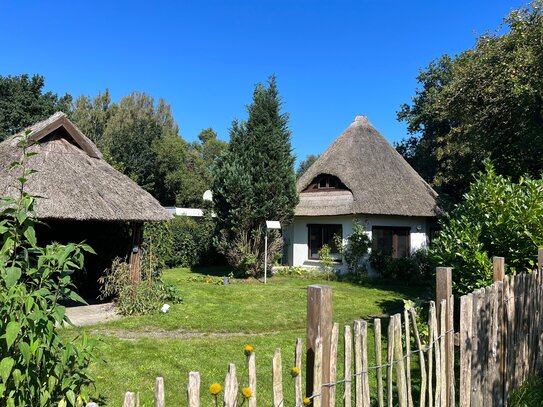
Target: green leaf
x=76, y=297
x=25, y=351
x=13, y=274
x=5, y=368
x=30, y=234
x=71, y=396
x=12, y=331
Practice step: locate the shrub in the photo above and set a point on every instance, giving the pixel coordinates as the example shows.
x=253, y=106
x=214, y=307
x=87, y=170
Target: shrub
x=496, y=218
x=327, y=262
x=356, y=249
x=37, y=366
x=136, y=298
x=157, y=246
x=192, y=241
x=417, y=267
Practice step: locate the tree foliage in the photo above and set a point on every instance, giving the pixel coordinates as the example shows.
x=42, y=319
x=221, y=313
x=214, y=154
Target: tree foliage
x=140, y=138
x=487, y=102
x=497, y=217
x=38, y=366
x=305, y=164
x=23, y=103
x=254, y=181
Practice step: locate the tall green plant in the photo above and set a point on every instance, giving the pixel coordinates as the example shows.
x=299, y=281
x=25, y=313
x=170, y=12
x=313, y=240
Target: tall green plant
x=496, y=218
x=254, y=181
x=356, y=250
x=37, y=366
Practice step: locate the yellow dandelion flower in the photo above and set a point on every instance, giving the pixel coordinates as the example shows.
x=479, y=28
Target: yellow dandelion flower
x=215, y=388
x=295, y=371
x=248, y=349
x=247, y=392
x=307, y=401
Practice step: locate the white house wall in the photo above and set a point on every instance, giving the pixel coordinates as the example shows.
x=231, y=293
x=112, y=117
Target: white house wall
x=296, y=235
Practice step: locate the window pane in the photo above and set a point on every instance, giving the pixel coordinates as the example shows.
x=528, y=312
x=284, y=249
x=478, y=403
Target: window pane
x=329, y=236
x=382, y=240
x=320, y=235
x=315, y=241
x=402, y=243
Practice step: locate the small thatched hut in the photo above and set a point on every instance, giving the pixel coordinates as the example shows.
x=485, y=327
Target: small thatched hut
x=361, y=176
x=81, y=196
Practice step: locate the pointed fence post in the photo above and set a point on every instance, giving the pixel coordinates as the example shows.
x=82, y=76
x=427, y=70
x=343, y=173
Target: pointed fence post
x=444, y=292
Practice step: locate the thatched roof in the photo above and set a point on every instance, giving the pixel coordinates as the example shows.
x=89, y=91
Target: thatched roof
x=73, y=180
x=378, y=179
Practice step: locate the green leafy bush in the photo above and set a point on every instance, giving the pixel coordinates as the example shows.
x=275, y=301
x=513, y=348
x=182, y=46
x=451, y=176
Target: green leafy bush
x=496, y=218
x=37, y=366
x=417, y=267
x=157, y=246
x=192, y=241
x=356, y=249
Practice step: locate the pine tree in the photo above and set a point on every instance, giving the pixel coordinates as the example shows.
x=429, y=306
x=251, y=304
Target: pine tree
x=254, y=181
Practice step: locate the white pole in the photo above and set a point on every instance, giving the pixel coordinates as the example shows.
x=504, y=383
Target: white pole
x=265, y=255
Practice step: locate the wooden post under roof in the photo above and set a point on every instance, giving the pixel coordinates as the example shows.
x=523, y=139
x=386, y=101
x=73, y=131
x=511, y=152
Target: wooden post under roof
x=135, y=251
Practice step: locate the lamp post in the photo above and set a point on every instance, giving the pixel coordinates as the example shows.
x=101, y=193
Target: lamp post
x=270, y=224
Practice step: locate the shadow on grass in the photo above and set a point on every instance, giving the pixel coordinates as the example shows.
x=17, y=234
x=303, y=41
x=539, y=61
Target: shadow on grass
x=215, y=271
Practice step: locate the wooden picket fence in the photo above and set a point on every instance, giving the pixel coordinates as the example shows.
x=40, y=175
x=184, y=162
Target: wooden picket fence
x=500, y=340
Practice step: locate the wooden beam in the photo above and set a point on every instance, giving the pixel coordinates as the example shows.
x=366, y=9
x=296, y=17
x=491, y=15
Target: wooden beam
x=135, y=252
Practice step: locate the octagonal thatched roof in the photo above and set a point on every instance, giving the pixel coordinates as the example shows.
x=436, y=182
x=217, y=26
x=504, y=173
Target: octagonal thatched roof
x=378, y=179
x=73, y=180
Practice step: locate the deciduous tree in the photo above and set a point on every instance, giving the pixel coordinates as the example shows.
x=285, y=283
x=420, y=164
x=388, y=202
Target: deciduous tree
x=487, y=102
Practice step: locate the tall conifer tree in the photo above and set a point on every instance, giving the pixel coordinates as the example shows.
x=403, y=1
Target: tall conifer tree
x=254, y=181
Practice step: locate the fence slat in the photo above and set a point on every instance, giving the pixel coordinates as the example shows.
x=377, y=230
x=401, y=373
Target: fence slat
x=400, y=367
x=317, y=377
x=365, y=365
x=129, y=399
x=230, y=387
x=466, y=332
x=510, y=336
x=159, y=392
x=390, y=362
x=333, y=363
x=443, y=351
x=251, y=372
x=423, y=382
x=408, y=358
x=494, y=386
x=193, y=390
x=298, y=395
x=348, y=351
x=450, y=353
x=378, y=361
x=358, y=363
x=277, y=376
x=431, y=318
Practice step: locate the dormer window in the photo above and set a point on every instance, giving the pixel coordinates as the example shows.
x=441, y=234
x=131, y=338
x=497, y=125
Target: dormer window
x=325, y=182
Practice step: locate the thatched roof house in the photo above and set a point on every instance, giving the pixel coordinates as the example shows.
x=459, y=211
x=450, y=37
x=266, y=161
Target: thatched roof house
x=377, y=179
x=81, y=197
x=73, y=180
x=361, y=176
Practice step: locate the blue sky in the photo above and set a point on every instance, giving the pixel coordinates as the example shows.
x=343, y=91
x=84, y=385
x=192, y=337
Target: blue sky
x=333, y=59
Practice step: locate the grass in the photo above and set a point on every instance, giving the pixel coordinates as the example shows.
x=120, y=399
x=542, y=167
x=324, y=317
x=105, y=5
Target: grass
x=209, y=329
x=530, y=394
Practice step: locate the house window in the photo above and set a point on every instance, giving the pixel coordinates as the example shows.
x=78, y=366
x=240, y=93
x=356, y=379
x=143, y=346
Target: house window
x=319, y=235
x=325, y=182
x=395, y=241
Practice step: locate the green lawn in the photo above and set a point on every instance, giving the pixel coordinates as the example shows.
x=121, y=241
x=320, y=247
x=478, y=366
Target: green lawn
x=209, y=329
